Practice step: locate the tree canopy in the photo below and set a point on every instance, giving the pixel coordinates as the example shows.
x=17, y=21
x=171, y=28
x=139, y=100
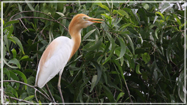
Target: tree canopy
x=136, y=55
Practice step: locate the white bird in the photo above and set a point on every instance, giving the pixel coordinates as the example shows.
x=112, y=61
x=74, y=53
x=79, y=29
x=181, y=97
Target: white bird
x=60, y=51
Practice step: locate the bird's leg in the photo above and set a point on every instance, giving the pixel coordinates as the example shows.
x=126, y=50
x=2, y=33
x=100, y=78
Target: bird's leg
x=59, y=86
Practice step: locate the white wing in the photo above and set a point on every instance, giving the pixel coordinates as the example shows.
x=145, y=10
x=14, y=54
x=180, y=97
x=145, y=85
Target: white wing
x=53, y=60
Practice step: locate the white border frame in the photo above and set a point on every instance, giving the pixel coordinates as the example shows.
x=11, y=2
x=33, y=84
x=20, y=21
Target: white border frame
x=1, y=90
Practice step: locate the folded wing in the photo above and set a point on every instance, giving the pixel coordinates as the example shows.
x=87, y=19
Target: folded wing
x=53, y=60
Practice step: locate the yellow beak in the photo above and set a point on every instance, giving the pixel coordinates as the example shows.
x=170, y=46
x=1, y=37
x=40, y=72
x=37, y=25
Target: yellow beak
x=95, y=20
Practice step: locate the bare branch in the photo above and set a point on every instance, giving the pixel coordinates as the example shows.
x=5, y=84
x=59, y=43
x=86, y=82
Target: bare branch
x=20, y=100
x=53, y=19
x=50, y=93
x=36, y=96
x=128, y=91
x=30, y=11
x=28, y=86
x=43, y=19
x=41, y=32
x=23, y=25
x=126, y=4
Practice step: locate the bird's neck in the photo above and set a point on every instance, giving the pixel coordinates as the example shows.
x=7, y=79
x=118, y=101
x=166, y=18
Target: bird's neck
x=76, y=37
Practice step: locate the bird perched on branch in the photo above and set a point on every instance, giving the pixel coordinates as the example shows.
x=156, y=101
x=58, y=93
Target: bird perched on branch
x=60, y=51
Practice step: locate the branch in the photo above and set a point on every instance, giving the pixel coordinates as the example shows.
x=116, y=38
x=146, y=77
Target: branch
x=28, y=86
x=36, y=96
x=43, y=19
x=20, y=100
x=50, y=93
x=23, y=25
x=128, y=91
x=53, y=19
x=126, y=4
x=30, y=11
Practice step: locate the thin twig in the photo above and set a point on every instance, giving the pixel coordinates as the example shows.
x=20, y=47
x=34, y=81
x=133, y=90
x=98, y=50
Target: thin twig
x=63, y=18
x=30, y=17
x=36, y=96
x=30, y=11
x=23, y=25
x=128, y=91
x=26, y=64
x=115, y=93
x=34, y=39
x=20, y=100
x=46, y=94
x=50, y=93
x=53, y=19
x=28, y=86
x=41, y=32
x=126, y=4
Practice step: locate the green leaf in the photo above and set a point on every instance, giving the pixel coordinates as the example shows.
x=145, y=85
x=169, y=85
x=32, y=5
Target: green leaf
x=123, y=48
x=130, y=42
x=146, y=58
x=97, y=77
x=145, y=6
x=155, y=74
x=24, y=57
x=180, y=27
x=167, y=55
x=79, y=91
x=11, y=91
x=95, y=46
x=107, y=16
x=11, y=22
x=14, y=53
x=8, y=30
x=6, y=43
x=108, y=94
x=94, y=79
x=31, y=81
x=14, y=77
x=156, y=33
x=103, y=6
x=88, y=34
x=177, y=20
x=156, y=47
x=125, y=25
x=138, y=69
x=121, y=12
x=16, y=62
x=160, y=15
x=145, y=75
x=20, y=8
x=181, y=89
x=121, y=94
x=17, y=41
x=22, y=76
x=30, y=6
x=8, y=64
x=5, y=71
x=60, y=13
x=120, y=70
x=29, y=97
x=112, y=48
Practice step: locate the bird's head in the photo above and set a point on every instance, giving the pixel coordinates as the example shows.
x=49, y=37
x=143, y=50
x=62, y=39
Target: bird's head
x=80, y=21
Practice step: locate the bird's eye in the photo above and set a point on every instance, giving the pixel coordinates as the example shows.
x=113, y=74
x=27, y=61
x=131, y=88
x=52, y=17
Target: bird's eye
x=84, y=18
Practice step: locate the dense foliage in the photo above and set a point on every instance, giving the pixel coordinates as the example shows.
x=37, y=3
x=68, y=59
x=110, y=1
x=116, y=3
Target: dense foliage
x=135, y=55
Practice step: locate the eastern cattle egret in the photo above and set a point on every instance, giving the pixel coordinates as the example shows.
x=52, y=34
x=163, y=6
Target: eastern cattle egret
x=60, y=50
